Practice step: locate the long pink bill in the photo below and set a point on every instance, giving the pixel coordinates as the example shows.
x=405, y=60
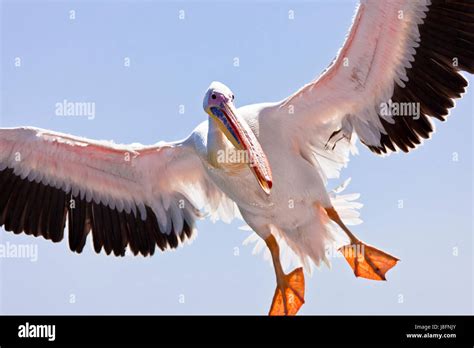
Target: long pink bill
x=247, y=140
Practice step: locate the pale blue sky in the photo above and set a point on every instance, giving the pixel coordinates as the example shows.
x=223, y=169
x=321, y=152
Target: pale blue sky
x=172, y=63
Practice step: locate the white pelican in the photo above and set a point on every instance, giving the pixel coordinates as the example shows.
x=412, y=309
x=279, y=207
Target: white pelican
x=399, y=55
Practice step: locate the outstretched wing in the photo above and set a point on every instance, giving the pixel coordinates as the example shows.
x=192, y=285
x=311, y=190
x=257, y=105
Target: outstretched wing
x=399, y=67
x=125, y=195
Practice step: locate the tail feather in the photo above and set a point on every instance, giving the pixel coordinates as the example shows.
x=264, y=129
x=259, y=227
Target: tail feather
x=316, y=242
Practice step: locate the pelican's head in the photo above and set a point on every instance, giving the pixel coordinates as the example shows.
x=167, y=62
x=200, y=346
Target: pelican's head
x=219, y=105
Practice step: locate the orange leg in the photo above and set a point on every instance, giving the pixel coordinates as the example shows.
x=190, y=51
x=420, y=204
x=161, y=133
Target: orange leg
x=365, y=260
x=289, y=294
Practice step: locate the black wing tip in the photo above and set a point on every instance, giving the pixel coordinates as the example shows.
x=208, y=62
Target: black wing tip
x=434, y=81
x=34, y=208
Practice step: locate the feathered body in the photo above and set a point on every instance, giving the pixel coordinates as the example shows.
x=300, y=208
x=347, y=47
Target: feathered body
x=293, y=210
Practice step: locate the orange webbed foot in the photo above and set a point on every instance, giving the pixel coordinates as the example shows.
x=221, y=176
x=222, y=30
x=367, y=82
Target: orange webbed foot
x=289, y=294
x=367, y=261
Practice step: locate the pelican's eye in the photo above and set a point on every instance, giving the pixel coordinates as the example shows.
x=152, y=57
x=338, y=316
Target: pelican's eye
x=232, y=97
x=213, y=96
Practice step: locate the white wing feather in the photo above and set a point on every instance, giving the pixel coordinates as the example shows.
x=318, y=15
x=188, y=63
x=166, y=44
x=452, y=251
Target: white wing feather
x=167, y=177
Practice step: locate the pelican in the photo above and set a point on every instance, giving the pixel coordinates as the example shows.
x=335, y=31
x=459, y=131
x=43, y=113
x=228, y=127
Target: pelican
x=399, y=68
